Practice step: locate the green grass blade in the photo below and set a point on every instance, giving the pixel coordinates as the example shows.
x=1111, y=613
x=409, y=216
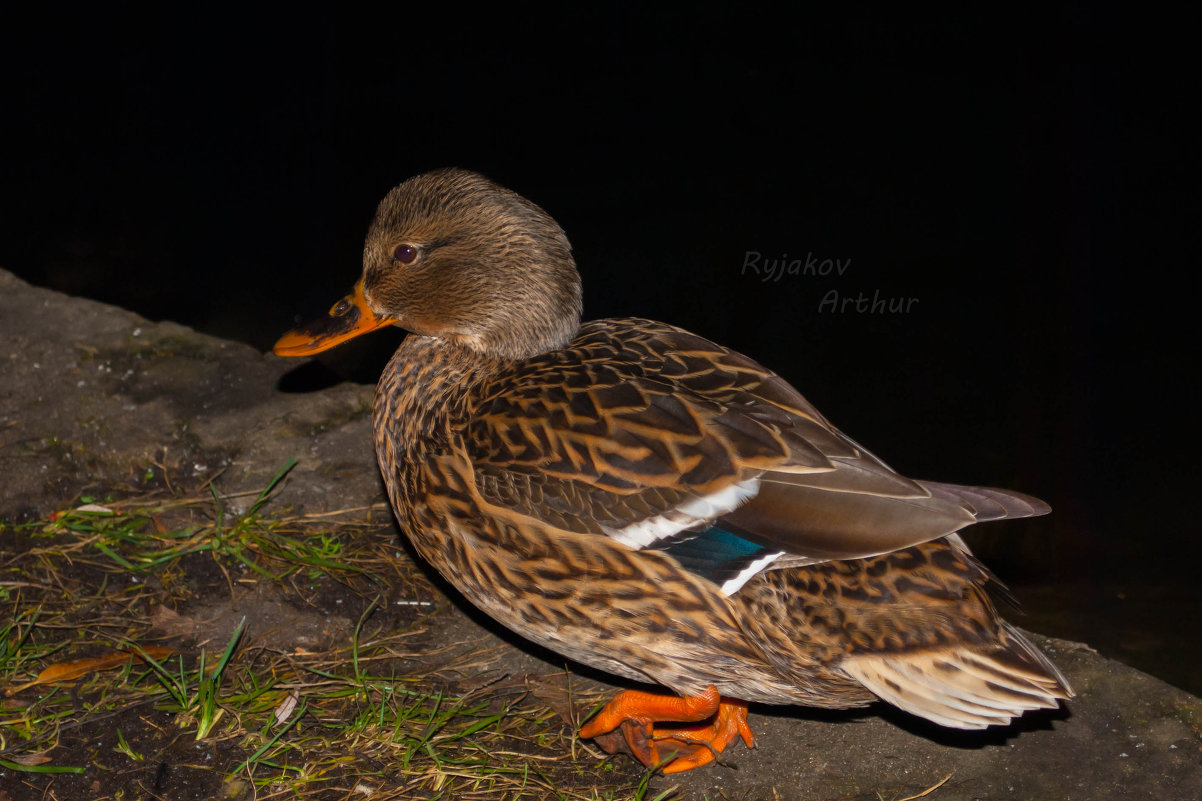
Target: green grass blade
x=39, y=768
x=271, y=485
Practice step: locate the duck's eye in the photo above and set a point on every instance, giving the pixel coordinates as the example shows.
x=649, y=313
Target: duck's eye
x=405, y=254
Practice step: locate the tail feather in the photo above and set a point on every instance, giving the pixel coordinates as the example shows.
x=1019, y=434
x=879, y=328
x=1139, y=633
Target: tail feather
x=987, y=503
x=965, y=687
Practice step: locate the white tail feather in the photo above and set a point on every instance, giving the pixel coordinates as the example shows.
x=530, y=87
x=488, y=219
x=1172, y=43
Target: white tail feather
x=961, y=687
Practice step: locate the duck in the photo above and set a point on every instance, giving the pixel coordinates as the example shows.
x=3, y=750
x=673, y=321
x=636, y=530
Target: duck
x=646, y=502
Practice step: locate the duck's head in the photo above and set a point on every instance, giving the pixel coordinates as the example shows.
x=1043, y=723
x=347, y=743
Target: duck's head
x=452, y=255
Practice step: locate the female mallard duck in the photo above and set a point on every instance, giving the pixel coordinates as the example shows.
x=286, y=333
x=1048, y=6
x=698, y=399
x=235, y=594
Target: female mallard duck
x=649, y=503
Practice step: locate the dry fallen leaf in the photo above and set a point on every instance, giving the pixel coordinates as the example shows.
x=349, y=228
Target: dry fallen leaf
x=76, y=668
x=553, y=690
x=285, y=708
x=169, y=623
x=30, y=760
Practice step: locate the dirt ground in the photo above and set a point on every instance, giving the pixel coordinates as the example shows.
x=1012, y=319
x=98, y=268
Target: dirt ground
x=366, y=621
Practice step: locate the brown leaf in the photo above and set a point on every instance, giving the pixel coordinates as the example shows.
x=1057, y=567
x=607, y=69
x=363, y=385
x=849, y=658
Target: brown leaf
x=169, y=623
x=553, y=690
x=31, y=760
x=76, y=668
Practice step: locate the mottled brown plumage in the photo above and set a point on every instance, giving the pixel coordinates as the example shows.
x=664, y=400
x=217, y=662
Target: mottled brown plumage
x=647, y=502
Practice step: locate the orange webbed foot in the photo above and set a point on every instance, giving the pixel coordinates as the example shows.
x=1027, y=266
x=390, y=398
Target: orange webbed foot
x=629, y=720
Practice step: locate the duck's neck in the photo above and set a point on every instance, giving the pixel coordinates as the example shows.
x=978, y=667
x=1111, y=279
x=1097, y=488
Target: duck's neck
x=422, y=397
x=525, y=337
x=429, y=377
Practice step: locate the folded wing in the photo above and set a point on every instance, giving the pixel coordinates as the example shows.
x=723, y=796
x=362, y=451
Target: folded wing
x=659, y=438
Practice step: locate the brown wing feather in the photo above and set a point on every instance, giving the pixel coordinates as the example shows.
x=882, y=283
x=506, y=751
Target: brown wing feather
x=628, y=407
x=635, y=418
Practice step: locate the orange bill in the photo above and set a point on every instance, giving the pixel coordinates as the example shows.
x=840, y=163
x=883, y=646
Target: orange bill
x=347, y=318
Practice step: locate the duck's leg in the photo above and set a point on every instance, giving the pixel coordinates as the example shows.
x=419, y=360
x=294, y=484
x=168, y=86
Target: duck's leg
x=631, y=717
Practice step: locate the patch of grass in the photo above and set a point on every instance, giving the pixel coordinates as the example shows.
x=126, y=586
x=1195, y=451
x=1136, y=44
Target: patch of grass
x=199, y=703
x=382, y=707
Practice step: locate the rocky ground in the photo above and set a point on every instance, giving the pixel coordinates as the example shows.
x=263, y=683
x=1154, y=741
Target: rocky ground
x=96, y=401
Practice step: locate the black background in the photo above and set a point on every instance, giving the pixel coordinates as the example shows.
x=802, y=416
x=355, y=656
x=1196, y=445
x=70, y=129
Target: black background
x=1029, y=179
